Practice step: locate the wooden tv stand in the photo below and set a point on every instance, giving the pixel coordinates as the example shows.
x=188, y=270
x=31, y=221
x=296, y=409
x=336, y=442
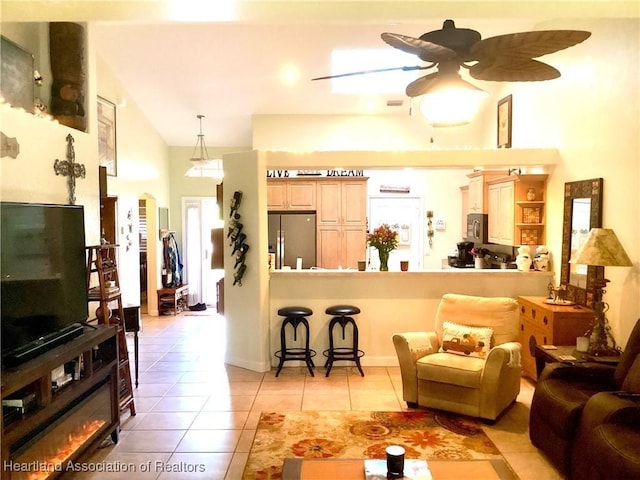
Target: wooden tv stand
x=85, y=406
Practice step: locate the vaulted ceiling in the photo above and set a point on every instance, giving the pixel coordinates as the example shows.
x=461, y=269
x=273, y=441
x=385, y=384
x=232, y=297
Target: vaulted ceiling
x=262, y=61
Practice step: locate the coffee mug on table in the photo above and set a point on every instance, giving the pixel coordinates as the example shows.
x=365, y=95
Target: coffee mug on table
x=362, y=265
x=395, y=461
x=404, y=265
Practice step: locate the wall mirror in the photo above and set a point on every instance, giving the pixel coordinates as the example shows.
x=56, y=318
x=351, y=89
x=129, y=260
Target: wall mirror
x=163, y=221
x=582, y=212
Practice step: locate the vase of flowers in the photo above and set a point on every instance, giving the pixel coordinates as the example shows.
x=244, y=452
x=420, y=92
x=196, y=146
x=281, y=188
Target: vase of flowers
x=385, y=239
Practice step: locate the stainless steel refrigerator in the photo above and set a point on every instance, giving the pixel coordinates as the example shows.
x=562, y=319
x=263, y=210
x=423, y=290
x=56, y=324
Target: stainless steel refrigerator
x=292, y=235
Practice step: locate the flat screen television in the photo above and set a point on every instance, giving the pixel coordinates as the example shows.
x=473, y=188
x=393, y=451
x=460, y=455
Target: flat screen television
x=42, y=273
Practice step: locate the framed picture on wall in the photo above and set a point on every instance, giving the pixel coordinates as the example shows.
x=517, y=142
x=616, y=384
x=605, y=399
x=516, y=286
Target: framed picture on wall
x=504, y=122
x=16, y=75
x=107, y=136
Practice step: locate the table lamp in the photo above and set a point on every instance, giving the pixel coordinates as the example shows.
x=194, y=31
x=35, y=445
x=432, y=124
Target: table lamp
x=601, y=248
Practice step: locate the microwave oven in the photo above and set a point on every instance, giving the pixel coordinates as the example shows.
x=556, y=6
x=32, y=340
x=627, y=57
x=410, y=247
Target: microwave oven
x=477, y=227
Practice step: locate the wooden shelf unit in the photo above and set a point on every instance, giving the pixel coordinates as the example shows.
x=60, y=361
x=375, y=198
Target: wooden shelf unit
x=102, y=262
x=98, y=350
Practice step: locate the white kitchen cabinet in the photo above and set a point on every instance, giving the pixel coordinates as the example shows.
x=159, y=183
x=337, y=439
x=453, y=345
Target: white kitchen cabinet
x=501, y=212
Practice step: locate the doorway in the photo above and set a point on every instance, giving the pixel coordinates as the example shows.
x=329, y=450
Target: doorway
x=200, y=215
x=404, y=215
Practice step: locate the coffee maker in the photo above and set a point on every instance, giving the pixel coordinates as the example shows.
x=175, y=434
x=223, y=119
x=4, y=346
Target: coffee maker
x=464, y=259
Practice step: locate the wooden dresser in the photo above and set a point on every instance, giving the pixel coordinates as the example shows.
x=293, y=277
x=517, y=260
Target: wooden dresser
x=544, y=324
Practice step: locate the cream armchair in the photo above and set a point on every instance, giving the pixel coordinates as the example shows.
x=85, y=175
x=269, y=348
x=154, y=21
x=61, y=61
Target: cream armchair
x=450, y=369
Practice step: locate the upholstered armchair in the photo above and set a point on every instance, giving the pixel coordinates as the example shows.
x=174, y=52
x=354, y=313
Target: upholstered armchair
x=564, y=395
x=470, y=363
x=608, y=437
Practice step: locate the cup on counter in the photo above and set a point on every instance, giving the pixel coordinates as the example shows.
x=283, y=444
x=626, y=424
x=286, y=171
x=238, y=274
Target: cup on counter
x=582, y=344
x=299, y=263
x=362, y=265
x=395, y=461
x=404, y=265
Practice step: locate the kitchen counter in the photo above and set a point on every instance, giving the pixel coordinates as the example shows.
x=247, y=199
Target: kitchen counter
x=390, y=302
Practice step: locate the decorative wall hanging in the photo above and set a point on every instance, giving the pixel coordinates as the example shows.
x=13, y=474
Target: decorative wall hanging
x=70, y=169
x=237, y=238
x=66, y=55
x=504, y=122
x=9, y=146
x=107, y=136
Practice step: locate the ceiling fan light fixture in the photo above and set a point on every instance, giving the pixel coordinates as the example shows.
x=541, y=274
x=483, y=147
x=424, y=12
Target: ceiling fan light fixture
x=451, y=101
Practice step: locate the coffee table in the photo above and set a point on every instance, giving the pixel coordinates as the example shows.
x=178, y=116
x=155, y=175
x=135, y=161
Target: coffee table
x=353, y=469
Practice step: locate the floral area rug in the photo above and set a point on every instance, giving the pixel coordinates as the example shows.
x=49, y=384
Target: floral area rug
x=424, y=434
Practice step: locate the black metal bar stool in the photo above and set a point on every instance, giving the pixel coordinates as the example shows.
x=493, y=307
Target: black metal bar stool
x=342, y=316
x=295, y=316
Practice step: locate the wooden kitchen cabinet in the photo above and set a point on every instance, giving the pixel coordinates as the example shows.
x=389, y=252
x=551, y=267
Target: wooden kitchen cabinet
x=545, y=324
x=291, y=194
x=478, y=192
x=342, y=222
x=514, y=217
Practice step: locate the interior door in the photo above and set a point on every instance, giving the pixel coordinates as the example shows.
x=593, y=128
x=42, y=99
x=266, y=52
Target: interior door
x=199, y=216
x=403, y=214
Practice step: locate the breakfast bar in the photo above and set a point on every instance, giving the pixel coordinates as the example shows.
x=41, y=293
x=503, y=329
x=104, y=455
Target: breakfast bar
x=390, y=302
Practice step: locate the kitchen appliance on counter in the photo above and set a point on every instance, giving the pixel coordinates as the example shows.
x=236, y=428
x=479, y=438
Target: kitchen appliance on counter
x=477, y=227
x=292, y=236
x=502, y=261
x=464, y=258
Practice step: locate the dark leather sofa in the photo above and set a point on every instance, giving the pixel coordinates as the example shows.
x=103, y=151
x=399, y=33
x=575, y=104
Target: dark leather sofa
x=586, y=417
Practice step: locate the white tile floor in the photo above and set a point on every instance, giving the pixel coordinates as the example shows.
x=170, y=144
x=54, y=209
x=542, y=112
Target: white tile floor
x=194, y=410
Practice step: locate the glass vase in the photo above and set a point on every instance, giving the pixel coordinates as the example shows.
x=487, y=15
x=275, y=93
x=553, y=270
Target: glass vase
x=384, y=260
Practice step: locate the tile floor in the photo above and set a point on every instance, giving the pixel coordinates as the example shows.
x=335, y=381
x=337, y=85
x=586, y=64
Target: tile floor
x=196, y=413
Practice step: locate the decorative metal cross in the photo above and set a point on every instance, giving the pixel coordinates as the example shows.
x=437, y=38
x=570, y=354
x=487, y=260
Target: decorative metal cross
x=70, y=169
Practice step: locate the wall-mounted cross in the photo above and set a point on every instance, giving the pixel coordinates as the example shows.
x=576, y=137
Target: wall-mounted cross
x=70, y=169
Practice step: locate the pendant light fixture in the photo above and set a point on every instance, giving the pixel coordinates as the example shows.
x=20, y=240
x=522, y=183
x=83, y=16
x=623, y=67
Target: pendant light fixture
x=202, y=164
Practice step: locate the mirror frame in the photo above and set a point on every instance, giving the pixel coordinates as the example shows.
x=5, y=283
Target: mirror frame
x=591, y=189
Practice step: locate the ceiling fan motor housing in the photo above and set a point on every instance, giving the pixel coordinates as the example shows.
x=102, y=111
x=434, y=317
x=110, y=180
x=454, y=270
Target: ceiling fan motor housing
x=460, y=40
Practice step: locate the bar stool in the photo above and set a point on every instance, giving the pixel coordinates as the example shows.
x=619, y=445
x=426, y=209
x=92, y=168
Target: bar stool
x=295, y=316
x=342, y=316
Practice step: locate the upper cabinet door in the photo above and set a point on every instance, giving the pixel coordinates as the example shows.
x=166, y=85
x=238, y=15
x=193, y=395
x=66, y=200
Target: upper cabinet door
x=329, y=204
x=301, y=195
x=354, y=203
x=276, y=195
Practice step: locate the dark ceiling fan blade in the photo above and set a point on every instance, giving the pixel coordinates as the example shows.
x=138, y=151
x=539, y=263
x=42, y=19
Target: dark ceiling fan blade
x=527, y=44
x=427, y=51
x=421, y=85
x=513, y=70
x=377, y=70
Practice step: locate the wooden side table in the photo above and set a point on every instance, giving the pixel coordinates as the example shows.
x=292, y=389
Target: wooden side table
x=545, y=324
x=544, y=356
x=171, y=298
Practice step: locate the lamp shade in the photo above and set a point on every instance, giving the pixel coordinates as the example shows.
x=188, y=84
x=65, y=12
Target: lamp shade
x=602, y=248
x=451, y=101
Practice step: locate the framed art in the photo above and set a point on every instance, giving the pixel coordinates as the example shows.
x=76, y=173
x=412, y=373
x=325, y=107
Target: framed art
x=16, y=75
x=504, y=122
x=107, y=136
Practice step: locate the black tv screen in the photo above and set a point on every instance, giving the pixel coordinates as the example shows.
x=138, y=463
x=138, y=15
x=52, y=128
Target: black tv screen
x=42, y=271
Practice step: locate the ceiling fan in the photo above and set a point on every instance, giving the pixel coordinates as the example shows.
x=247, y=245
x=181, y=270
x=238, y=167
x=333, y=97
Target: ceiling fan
x=503, y=58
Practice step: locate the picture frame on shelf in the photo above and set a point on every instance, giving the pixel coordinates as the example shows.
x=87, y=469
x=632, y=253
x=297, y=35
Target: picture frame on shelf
x=107, y=136
x=505, y=107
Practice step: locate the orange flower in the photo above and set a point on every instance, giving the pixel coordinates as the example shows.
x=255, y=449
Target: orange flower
x=317, y=448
